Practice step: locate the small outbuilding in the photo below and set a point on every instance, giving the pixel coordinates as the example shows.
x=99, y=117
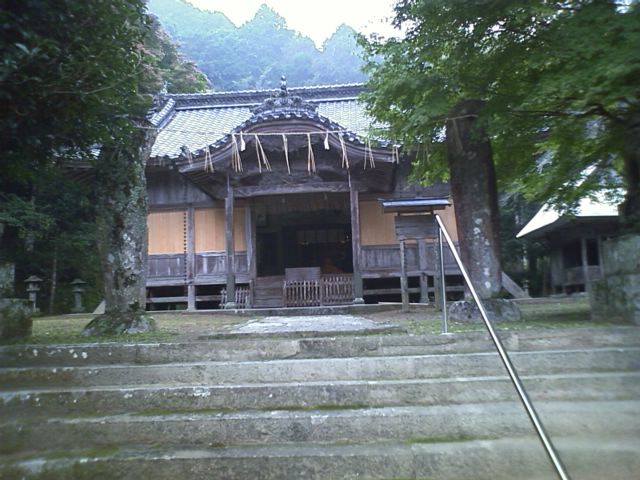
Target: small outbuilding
x=574, y=241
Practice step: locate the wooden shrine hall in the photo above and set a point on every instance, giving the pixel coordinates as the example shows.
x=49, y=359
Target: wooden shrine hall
x=264, y=199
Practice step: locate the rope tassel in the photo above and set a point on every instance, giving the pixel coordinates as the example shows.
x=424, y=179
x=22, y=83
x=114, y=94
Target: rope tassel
x=262, y=157
x=345, y=158
x=236, y=160
x=368, y=155
x=285, y=146
x=243, y=145
x=311, y=160
x=326, y=141
x=208, y=163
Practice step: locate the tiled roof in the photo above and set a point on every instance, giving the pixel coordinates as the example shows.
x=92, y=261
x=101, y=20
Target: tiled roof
x=198, y=120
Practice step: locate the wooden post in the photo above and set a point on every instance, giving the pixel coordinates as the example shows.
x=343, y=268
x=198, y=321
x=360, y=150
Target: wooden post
x=437, y=279
x=585, y=265
x=230, y=247
x=191, y=259
x=404, y=281
x=358, y=291
x=423, y=264
x=250, y=239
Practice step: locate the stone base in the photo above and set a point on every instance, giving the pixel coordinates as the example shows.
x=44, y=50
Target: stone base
x=616, y=298
x=118, y=324
x=498, y=310
x=15, y=318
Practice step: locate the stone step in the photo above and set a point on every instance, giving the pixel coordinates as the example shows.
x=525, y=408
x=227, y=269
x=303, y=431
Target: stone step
x=370, y=425
x=313, y=346
x=585, y=458
x=326, y=369
x=313, y=395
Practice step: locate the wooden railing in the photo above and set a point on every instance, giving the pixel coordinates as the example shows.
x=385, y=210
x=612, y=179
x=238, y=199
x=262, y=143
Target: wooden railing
x=331, y=289
x=243, y=297
x=337, y=289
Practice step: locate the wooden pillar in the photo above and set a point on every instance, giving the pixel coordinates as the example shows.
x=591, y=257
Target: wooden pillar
x=191, y=259
x=230, y=247
x=585, y=264
x=250, y=240
x=358, y=291
x=404, y=281
x=423, y=265
x=437, y=278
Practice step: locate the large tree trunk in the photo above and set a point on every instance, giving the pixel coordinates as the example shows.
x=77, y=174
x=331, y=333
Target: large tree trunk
x=474, y=191
x=121, y=192
x=630, y=208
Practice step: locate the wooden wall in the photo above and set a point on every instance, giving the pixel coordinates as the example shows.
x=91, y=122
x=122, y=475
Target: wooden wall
x=166, y=232
x=209, y=229
x=378, y=228
x=169, y=189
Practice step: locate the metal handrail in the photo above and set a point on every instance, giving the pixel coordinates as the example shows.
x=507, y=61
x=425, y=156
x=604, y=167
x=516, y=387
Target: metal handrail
x=515, y=379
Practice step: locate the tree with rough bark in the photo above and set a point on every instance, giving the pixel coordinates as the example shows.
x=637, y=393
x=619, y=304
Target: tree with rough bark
x=555, y=84
x=78, y=81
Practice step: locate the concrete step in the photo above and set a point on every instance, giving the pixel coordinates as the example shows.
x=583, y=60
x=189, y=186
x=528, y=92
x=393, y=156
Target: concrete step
x=312, y=346
x=326, y=369
x=110, y=400
x=508, y=458
x=369, y=425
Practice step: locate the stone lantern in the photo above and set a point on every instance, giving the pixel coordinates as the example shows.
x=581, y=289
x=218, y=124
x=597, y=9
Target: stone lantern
x=78, y=290
x=33, y=287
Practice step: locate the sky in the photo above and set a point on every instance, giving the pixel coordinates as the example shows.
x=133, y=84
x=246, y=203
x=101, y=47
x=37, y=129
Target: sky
x=316, y=19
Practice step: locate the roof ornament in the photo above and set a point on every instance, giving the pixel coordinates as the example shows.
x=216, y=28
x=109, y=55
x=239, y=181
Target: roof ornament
x=284, y=102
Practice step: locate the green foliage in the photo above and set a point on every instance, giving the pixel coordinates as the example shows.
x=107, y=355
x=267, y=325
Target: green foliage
x=75, y=75
x=258, y=52
x=558, y=78
x=71, y=77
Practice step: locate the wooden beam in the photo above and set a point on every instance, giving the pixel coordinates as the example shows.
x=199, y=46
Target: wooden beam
x=355, y=244
x=284, y=189
x=230, y=247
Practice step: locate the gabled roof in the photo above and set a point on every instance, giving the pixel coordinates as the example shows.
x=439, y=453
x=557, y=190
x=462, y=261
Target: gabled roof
x=199, y=120
x=549, y=218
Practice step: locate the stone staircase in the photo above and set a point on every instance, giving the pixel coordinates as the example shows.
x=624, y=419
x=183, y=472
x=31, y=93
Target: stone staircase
x=321, y=407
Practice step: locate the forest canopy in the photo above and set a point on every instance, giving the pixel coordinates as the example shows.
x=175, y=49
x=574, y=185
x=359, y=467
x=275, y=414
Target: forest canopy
x=255, y=54
x=558, y=81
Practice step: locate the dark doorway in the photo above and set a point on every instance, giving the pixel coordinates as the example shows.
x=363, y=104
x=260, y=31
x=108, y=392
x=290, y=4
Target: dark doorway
x=314, y=245
x=320, y=238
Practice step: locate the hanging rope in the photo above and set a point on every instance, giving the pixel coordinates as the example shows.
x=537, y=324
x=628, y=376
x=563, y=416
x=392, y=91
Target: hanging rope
x=326, y=141
x=285, y=146
x=368, y=155
x=345, y=158
x=311, y=160
x=236, y=160
x=208, y=164
x=243, y=145
x=262, y=157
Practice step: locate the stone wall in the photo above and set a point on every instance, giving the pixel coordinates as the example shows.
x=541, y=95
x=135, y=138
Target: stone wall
x=617, y=296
